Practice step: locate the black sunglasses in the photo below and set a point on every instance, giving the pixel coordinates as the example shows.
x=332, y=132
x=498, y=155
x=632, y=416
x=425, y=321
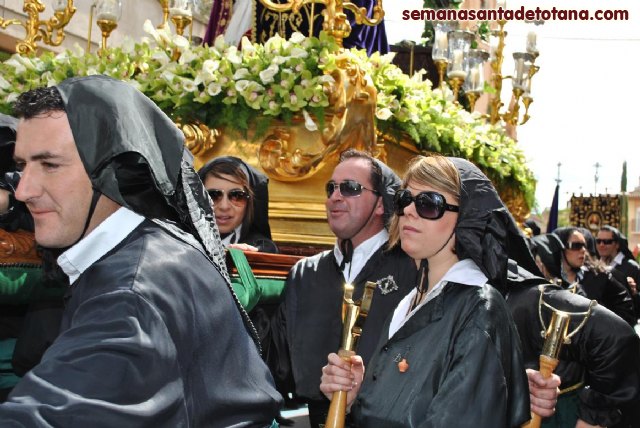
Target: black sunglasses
x=429, y=205
x=576, y=246
x=605, y=241
x=348, y=188
x=235, y=196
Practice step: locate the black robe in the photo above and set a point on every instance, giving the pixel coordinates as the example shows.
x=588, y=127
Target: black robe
x=308, y=325
x=465, y=367
x=629, y=268
x=605, y=353
x=151, y=336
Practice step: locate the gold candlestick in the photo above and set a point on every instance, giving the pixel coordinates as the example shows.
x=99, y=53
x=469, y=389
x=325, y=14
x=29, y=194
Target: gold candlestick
x=181, y=22
x=472, y=96
x=107, y=26
x=456, y=83
x=441, y=65
x=165, y=14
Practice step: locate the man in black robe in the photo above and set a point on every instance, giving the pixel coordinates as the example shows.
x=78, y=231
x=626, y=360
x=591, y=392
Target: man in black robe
x=613, y=248
x=308, y=325
x=152, y=334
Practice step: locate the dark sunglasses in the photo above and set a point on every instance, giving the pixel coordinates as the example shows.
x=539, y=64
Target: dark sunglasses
x=576, y=246
x=429, y=205
x=348, y=188
x=235, y=196
x=605, y=241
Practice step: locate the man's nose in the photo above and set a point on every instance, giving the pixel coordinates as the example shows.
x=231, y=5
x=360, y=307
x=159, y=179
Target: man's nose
x=28, y=188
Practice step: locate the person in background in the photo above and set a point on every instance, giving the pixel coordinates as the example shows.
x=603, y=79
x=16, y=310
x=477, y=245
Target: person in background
x=152, y=333
x=613, y=249
x=590, y=275
x=450, y=355
x=600, y=365
x=240, y=196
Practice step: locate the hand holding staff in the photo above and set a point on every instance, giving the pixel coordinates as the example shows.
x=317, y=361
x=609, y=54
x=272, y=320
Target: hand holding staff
x=353, y=317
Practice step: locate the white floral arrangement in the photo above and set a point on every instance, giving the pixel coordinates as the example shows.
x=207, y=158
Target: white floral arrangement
x=226, y=86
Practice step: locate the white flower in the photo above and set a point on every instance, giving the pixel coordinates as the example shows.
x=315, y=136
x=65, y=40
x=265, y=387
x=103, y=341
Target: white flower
x=308, y=121
x=181, y=42
x=168, y=76
x=214, y=89
x=269, y=73
x=241, y=85
x=161, y=57
x=241, y=73
x=233, y=56
x=187, y=84
x=383, y=113
x=297, y=38
x=15, y=63
x=297, y=52
x=219, y=43
x=4, y=84
x=12, y=97
x=326, y=78
x=210, y=66
x=246, y=46
x=187, y=56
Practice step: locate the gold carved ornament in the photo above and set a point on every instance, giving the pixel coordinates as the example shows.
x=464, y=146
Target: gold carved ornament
x=50, y=31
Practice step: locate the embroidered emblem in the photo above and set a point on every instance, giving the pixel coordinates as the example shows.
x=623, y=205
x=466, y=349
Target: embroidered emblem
x=387, y=285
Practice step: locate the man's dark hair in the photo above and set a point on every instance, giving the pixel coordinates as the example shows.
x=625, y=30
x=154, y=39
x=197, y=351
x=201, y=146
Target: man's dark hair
x=376, y=171
x=38, y=101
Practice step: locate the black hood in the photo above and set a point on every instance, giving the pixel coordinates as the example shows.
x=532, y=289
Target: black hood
x=259, y=186
x=486, y=232
x=8, y=126
x=549, y=248
x=387, y=189
x=134, y=154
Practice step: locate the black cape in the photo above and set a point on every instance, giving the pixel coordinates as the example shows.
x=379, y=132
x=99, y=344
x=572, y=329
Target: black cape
x=150, y=337
x=308, y=325
x=605, y=353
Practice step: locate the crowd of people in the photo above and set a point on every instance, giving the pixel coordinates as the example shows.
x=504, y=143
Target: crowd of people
x=144, y=328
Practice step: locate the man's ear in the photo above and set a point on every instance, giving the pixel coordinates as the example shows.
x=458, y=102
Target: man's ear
x=379, y=207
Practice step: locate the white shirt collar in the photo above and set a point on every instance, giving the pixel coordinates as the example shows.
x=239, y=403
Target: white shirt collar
x=361, y=254
x=617, y=260
x=113, y=230
x=463, y=272
x=233, y=237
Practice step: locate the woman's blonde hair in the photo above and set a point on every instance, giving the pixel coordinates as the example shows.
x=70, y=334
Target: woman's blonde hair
x=434, y=171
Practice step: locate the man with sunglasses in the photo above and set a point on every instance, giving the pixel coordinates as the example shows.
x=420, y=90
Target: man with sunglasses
x=359, y=202
x=613, y=249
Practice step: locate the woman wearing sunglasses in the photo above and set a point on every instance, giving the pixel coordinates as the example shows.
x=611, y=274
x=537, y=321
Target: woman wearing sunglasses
x=590, y=277
x=449, y=355
x=240, y=197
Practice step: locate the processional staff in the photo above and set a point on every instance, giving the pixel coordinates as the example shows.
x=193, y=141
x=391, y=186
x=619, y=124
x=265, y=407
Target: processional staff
x=555, y=336
x=354, y=314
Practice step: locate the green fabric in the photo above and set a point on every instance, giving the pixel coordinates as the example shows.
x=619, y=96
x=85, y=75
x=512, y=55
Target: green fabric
x=566, y=414
x=249, y=289
x=17, y=284
x=8, y=379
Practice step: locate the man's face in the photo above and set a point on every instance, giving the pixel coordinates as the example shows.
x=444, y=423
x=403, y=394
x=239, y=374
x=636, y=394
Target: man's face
x=356, y=217
x=606, y=244
x=54, y=184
